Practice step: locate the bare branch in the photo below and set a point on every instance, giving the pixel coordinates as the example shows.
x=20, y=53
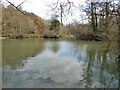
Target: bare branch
x=15, y=7
x=21, y=3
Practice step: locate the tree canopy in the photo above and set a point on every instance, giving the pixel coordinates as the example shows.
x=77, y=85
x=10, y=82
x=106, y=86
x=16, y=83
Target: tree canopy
x=54, y=25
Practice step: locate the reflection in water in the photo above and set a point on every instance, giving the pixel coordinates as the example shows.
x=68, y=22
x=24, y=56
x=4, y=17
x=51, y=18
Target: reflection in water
x=39, y=63
x=15, y=51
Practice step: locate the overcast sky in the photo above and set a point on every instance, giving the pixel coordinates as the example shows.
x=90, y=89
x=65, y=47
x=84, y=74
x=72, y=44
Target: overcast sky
x=40, y=8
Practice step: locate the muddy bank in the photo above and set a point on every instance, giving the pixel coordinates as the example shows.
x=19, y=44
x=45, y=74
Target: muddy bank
x=90, y=37
x=4, y=37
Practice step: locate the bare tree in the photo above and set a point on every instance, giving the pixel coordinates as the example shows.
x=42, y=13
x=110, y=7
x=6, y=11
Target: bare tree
x=61, y=7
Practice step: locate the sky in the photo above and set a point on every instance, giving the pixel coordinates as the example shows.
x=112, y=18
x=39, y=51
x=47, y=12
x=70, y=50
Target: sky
x=40, y=8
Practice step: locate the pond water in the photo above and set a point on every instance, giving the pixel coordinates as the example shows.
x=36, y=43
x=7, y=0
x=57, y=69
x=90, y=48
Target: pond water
x=50, y=63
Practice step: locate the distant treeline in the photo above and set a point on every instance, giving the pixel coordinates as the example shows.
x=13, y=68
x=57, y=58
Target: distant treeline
x=103, y=24
x=15, y=24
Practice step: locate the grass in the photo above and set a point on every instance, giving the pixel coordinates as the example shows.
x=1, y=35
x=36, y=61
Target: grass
x=69, y=36
x=32, y=36
x=23, y=36
x=6, y=35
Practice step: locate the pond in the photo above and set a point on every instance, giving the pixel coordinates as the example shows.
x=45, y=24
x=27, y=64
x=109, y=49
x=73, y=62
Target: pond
x=54, y=63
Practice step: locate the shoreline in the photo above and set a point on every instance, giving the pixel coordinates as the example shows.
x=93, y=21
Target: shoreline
x=1, y=38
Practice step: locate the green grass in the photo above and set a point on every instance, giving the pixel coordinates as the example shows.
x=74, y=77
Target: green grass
x=23, y=36
x=69, y=36
x=6, y=35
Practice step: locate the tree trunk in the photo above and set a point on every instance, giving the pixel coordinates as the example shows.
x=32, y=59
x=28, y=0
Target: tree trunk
x=61, y=13
x=96, y=20
x=92, y=17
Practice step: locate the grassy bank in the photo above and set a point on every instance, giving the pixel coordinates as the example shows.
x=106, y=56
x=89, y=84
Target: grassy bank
x=33, y=36
x=80, y=37
x=21, y=36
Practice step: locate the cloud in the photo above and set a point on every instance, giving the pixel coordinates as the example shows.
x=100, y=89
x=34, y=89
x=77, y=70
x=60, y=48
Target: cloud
x=40, y=8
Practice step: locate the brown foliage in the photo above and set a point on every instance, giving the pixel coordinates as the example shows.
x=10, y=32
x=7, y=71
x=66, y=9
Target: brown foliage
x=40, y=23
x=15, y=23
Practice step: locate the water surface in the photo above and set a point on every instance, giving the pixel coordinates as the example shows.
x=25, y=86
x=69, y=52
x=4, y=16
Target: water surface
x=49, y=63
